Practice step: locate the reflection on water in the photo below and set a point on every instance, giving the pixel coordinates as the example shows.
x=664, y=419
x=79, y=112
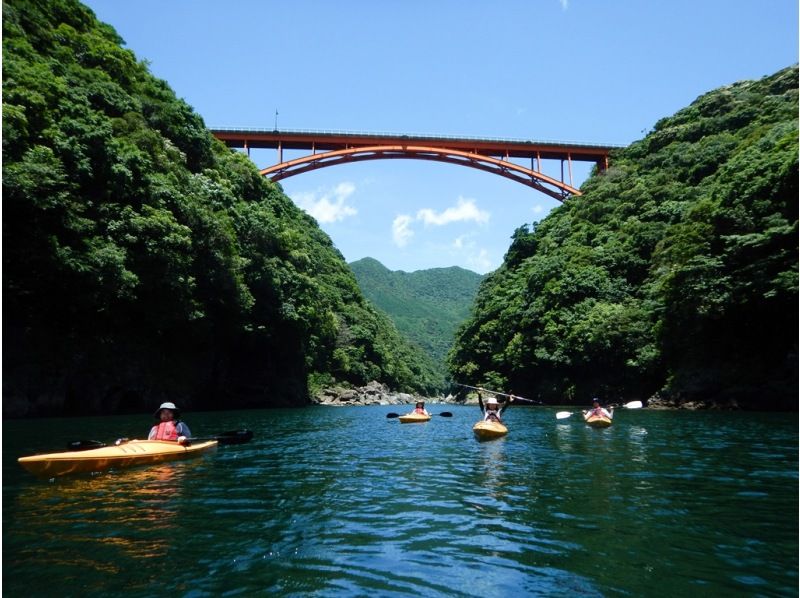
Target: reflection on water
x=105, y=522
x=342, y=501
x=492, y=462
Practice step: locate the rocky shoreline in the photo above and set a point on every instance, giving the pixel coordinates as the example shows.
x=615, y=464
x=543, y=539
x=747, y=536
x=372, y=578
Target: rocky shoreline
x=376, y=393
x=659, y=402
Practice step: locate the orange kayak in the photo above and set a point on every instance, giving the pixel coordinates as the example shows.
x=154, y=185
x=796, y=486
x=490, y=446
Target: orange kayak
x=128, y=454
x=414, y=418
x=487, y=430
x=598, y=421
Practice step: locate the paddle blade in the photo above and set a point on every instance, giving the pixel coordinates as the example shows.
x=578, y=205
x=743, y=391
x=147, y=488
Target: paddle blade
x=84, y=445
x=633, y=405
x=446, y=414
x=391, y=415
x=563, y=414
x=235, y=437
x=524, y=400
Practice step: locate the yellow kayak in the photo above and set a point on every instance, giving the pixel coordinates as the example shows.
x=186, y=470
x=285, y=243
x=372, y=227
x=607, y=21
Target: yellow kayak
x=414, y=418
x=487, y=430
x=598, y=421
x=129, y=454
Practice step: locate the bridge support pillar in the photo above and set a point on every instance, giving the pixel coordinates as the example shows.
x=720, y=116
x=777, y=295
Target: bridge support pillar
x=569, y=166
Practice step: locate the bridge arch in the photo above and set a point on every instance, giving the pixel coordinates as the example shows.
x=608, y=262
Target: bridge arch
x=330, y=148
x=526, y=176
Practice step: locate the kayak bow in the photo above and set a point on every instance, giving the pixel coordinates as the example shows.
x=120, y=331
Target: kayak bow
x=487, y=430
x=598, y=421
x=129, y=454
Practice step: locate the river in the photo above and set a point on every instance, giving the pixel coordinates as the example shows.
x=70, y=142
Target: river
x=341, y=501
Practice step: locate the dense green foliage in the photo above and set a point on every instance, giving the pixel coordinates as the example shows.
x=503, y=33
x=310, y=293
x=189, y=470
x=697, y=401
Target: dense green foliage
x=427, y=306
x=143, y=260
x=674, y=273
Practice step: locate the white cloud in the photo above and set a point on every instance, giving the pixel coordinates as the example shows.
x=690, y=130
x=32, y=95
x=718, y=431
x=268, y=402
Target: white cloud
x=480, y=262
x=564, y=4
x=327, y=205
x=475, y=258
x=465, y=210
x=345, y=189
x=401, y=233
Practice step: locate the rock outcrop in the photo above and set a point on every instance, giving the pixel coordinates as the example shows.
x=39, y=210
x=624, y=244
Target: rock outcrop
x=373, y=393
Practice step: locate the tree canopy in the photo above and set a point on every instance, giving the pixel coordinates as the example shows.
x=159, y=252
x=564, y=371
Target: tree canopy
x=143, y=260
x=674, y=273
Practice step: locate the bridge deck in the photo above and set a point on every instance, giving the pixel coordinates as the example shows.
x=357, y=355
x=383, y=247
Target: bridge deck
x=337, y=140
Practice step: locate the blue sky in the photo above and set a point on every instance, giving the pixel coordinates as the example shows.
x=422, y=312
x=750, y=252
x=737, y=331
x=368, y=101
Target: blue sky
x=567, y=70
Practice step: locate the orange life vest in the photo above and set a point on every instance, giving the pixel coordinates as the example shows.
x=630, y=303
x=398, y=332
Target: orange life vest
x=166, y=431
x=598, y=413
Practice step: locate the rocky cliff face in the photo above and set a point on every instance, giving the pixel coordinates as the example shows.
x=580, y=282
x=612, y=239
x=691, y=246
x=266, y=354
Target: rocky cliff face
x=373, y=393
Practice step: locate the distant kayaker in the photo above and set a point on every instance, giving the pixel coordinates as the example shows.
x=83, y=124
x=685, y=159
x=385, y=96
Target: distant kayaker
x=169, y=427
x=598, y=410
x=492, y=410
x=420, y=408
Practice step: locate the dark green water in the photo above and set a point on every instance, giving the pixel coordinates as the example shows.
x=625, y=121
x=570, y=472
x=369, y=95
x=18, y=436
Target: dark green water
x=343, y=502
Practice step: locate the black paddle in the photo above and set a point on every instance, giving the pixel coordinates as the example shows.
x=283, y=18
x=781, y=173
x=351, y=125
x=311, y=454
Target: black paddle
x=502, y=394
x=84, y=445
x=443, y=414
x=230, y=437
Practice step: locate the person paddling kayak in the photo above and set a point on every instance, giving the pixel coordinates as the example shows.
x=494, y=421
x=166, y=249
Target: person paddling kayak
x=492, y=410
x=598, y=410
x=169, y=427
x=420, y=408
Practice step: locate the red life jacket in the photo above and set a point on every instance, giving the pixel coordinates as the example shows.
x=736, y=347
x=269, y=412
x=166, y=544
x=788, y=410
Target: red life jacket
x=166, y=431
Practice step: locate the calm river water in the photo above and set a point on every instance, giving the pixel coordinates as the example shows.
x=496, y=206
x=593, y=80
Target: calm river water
x=332, y=501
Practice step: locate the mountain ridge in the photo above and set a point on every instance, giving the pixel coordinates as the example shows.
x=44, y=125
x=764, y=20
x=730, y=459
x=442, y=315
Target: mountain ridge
x=427, y=306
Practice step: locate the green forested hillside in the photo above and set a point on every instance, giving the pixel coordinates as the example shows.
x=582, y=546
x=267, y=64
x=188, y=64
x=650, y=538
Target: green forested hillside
x=427, y=305
x=143, y=260
x=675, y=272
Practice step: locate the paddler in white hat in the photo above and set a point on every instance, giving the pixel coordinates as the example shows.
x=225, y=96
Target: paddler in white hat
x=169, y=426
x=420, y=408
x=492, y=410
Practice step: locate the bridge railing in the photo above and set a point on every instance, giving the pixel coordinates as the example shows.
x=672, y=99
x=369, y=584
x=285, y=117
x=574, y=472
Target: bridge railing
x=417, y=136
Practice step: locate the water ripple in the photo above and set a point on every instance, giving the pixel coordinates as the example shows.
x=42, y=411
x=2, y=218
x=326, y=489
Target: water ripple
x=344, y=502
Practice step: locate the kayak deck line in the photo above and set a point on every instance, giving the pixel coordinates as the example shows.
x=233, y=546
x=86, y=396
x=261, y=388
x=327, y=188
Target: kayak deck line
x=488, y=430
x=129, y=454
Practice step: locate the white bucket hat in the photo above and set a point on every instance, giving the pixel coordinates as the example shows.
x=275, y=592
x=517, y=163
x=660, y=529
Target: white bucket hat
x=492, y=401
x=170, y=406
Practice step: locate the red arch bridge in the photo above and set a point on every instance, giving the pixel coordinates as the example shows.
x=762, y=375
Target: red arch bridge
x=329, y=148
